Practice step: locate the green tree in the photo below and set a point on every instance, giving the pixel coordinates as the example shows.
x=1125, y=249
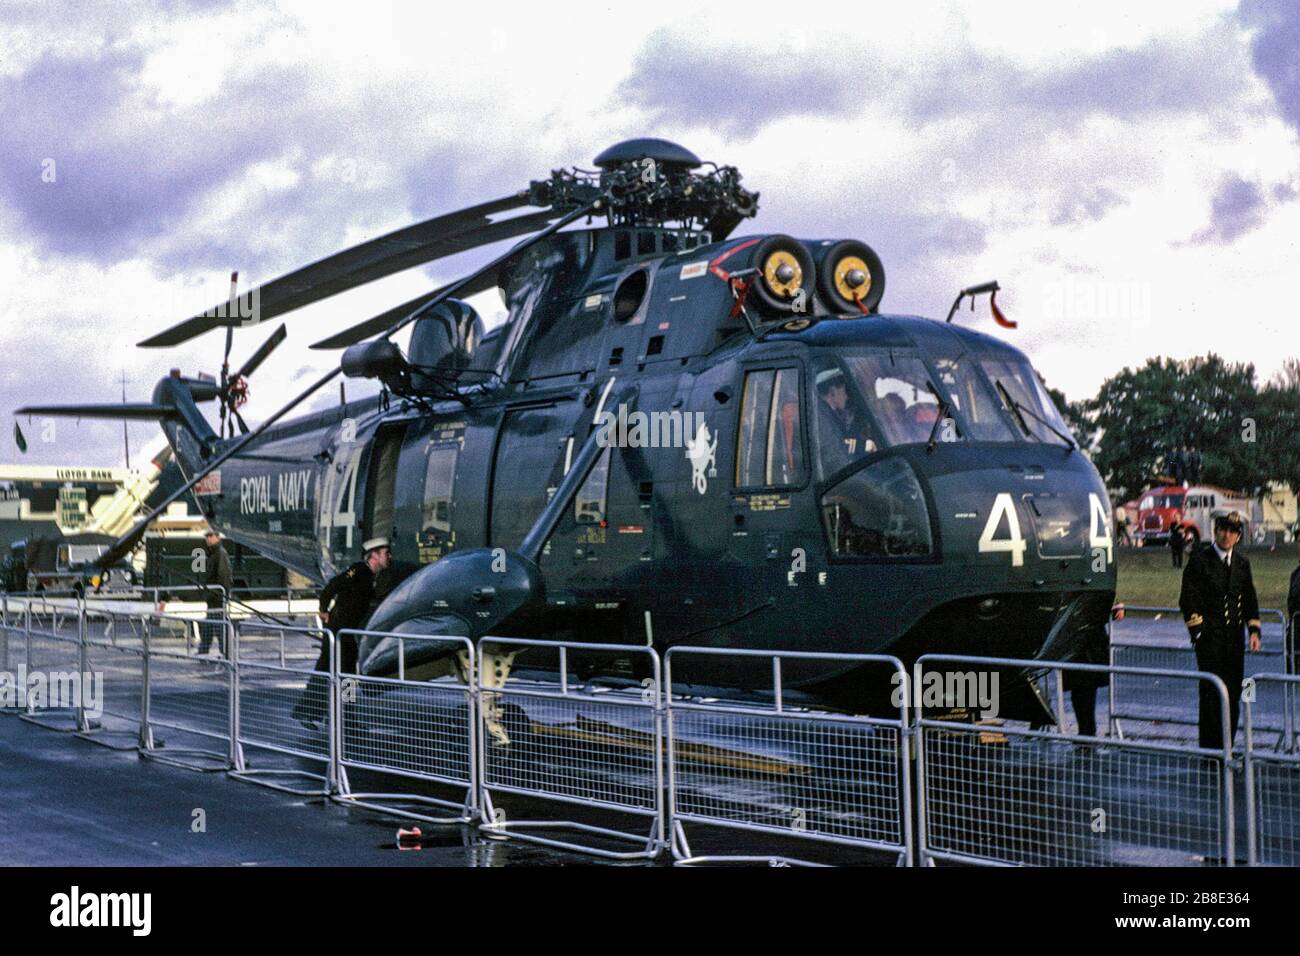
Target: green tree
x=1078, y=415
x=1204, y=403
x=1288, y=376
x=1279, y=431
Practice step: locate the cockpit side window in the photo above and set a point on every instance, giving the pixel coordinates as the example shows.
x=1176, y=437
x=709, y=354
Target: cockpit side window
x=769, y=441
x=844, y=431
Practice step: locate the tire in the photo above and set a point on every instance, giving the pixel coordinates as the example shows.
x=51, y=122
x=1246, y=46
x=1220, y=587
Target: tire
x=771, y=301
x=832, y=295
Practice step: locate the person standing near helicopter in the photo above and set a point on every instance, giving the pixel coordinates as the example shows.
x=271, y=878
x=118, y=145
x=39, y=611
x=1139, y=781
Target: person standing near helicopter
x=344, y=606
x=1219, y=603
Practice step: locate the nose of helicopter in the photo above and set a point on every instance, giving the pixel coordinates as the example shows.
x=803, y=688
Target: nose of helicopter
x=1027, y=514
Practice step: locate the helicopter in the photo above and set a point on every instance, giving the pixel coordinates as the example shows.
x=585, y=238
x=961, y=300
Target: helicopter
x=677, y=437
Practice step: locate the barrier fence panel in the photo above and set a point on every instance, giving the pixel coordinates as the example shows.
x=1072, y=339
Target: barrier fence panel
x=187, y=693
x=421, y=730
x=13, y=650
x=1156, y=637
x=275, y=686
x=114, y=664
x=54, y=664
x=590, y=745
x=781, y=771
x=513, y=717
x=1008, y=795
x=1272, y=778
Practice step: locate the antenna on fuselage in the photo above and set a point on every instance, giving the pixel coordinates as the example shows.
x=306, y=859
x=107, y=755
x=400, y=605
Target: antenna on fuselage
x=992, y=289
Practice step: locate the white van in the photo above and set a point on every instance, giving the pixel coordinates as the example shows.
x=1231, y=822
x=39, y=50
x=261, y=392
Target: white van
x=1203, y=503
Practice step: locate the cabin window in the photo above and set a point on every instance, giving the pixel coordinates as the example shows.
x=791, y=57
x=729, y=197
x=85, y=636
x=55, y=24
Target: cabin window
x=436, y=537
x=629, y=295
x=589, y=504
x=769, y=441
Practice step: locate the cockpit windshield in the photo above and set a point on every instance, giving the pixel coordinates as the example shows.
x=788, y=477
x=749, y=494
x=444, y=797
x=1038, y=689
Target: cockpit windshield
x=979, y=408
x=880, y=398
x=1026, y=400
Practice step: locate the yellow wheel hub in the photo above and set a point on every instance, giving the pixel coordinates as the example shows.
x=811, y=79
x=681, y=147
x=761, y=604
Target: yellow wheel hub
x=852, y=278
x=783, y=274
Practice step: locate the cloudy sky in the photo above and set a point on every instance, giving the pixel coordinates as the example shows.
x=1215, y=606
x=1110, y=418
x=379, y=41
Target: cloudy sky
x=1128, y=172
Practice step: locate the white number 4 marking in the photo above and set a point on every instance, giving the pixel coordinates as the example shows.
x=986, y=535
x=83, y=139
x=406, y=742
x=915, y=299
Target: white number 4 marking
x=1014, y=542
x=1097, y=518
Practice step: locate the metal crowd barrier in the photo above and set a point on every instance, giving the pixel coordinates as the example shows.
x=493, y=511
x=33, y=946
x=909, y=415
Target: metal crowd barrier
x=187, y=692
x=275, y=677
x=1273, y=778
x=1142, y=708
x=13, y=648
x=1004, y=795
x=55, y=646
x=414, y=730
x=986, y=793
x=117, y=660
x=829, y=778
x=597, y=747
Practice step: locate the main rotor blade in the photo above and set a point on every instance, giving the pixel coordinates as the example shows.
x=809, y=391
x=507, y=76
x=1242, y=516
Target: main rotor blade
x=382, y=322
x=125, y=544
x=260, y=356
x=135, y=411
x=411, y=246
x=461, y=285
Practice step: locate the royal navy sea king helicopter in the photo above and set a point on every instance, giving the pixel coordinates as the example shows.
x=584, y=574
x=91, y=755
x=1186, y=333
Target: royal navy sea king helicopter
x=678, y=436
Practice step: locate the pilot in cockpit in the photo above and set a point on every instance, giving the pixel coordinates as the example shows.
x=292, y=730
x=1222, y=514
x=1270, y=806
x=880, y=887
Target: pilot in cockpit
x=843, y=433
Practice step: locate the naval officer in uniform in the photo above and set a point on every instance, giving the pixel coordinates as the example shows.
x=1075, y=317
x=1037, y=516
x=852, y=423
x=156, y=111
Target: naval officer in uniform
x=1218, y=602
x=344, y=605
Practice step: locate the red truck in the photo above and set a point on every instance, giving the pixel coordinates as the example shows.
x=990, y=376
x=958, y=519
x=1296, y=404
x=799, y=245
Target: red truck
x=1158, y=509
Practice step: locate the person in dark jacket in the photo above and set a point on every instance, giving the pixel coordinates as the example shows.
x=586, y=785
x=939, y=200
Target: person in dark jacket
x=1219, y=603
x=345, y=604
x=1177, y=543
x=217, y=563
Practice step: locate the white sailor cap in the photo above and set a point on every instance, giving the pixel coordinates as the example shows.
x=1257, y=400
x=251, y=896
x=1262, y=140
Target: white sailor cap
x=828, y=377
x=374, y=544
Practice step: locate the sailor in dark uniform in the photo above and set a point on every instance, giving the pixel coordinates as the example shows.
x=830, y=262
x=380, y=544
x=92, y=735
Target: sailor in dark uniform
x=344, y=605
x=1218, y=602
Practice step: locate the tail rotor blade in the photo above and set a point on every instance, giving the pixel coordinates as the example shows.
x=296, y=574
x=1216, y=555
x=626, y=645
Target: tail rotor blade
x=261, y=355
